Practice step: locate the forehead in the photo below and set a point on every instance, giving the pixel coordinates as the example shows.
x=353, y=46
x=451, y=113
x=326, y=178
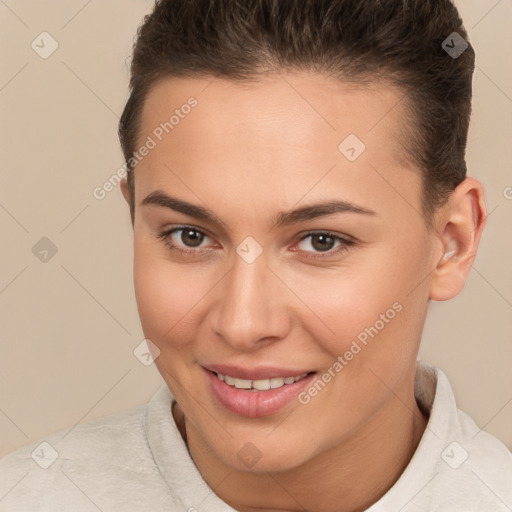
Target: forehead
x=287, y=108
x=283, y=132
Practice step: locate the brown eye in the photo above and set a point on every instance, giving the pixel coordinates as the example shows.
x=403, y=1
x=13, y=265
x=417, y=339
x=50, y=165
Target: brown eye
x=186, y=240
x=191, y=237
x=323, y=244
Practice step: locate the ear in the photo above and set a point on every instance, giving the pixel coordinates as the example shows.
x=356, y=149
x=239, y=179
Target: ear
x=460, y=224
x=125, y=189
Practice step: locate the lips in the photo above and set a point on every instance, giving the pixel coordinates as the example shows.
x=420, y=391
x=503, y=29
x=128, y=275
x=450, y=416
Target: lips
x=255, y=392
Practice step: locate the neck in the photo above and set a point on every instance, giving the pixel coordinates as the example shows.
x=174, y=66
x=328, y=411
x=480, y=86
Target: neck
x=349, y=477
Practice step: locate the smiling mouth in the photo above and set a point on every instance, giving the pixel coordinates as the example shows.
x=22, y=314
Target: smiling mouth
x=259, y=384
x=266, y=393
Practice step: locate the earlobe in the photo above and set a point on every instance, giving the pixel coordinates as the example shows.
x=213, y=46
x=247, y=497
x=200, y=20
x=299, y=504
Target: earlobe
x=461, y=225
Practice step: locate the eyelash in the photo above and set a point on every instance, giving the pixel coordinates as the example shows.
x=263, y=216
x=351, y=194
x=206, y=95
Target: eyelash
x=347, y=243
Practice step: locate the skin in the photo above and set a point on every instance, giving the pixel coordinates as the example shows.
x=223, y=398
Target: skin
x=247, y=152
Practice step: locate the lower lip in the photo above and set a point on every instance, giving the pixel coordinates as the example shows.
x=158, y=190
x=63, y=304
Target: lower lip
x=255, y=404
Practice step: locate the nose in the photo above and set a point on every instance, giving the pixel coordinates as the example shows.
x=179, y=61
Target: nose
x=252, y=306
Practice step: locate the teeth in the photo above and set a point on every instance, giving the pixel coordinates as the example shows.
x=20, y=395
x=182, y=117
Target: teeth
x=242, y=384
x=260, y=384
x=277, y=382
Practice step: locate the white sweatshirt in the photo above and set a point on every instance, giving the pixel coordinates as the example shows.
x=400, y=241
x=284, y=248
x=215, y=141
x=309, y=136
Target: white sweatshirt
x=136, y=460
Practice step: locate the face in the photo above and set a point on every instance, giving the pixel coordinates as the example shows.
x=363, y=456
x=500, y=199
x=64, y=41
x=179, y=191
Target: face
x=229, y=281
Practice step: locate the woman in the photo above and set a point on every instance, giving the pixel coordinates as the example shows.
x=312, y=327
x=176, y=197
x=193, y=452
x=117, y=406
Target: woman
x=298, y=194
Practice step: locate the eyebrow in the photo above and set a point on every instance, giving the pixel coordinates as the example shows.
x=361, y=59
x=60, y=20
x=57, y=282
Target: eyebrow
x=305, y=213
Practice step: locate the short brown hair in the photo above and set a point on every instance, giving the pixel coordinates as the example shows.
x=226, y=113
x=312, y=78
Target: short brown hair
x=399, y=41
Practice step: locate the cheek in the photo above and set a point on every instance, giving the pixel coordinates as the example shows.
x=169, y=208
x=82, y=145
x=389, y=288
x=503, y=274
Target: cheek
x=377, y=327
x=346, y=300
x=165, y=294
x=365, y=311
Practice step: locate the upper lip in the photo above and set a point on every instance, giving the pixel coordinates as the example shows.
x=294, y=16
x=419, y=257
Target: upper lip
x=260, y=372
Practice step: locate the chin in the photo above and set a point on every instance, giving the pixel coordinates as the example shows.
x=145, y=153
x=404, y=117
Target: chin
x=264, y=456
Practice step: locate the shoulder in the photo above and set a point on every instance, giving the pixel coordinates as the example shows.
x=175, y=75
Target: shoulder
x=488, y=459
x=84, y=440
x=471, y=469
x=88, y=462
x=457, y=466
x=474, y=471
x=468, y=445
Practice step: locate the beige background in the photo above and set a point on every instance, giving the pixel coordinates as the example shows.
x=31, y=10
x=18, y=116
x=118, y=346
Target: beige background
x=70, y=325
